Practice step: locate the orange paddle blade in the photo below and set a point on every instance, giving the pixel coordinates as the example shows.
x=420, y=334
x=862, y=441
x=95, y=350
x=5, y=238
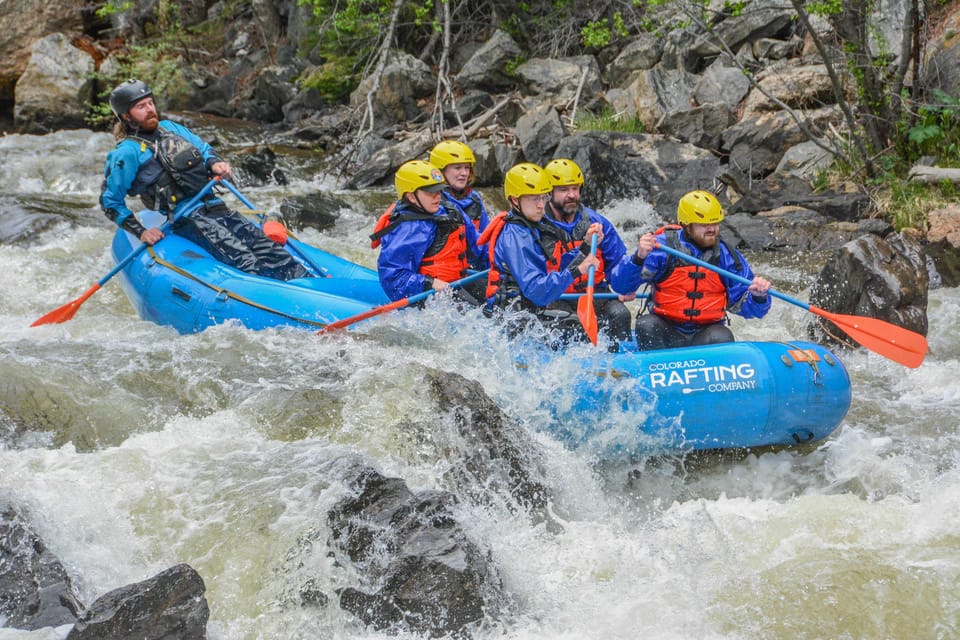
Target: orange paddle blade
x=900, y=345
x=588, y=315
x=67, y=311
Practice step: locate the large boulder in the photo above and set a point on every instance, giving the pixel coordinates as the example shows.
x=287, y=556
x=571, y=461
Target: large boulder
x=55, y=88
x=169, y=605
x=623, y=165
x=941, y=68
x=418, y=569
x=26, y=21
x=404, y=80
x=943, y=244
x=35, y=589
x=884, y=278
x=538, y=132
x=563, y=80
x=488, y=67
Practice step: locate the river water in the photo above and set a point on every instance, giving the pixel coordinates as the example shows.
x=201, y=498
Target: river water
x=144, y=449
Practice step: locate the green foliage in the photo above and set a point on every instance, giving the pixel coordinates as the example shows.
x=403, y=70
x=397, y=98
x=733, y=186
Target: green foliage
x=595, y=34
x=936, y=131
x=609, y=120
x=910, y=201
x=734, y=7
x=166, y=59
x=511, y=66
x=825, y=8
x=113, y=7
x=330, y=81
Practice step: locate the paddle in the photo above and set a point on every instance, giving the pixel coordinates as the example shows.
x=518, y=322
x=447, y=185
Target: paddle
x=399, y=304
x=67, y=311
x=585, y=310
x=890, y=341
x=610, y=295
x=249, y=205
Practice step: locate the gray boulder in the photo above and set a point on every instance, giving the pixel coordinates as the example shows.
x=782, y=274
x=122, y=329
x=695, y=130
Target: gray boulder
x=169, y=606
x=35, y=589
x=488, y=67
x=419, y=571
x=55, y=88
x=884, y=278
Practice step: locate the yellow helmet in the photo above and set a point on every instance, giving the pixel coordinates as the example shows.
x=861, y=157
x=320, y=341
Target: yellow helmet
x=526, y=179
x=699, y=207
x=564, y=173
x=451, y=152
x=417, y=174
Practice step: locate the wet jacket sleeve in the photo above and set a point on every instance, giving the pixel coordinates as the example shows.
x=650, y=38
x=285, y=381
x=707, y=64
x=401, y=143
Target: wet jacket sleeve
x=401, y=253
x=619, y=271
x=119, y=172
x=741, y=301
x=520, y=252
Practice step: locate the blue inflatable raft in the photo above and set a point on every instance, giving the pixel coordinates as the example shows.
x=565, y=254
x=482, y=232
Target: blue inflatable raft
x=735, y=395
x=179, y=284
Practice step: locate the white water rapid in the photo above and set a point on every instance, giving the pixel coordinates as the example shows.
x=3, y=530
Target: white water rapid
x=147, y=449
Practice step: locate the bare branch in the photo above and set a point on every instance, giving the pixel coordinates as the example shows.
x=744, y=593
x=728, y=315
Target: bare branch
x=835, y=83
x=382, y=55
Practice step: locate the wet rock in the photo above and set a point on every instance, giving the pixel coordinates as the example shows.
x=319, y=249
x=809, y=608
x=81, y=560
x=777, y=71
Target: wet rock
x=35, y=589
x=258, y=166
x=876, y=277
x=787, y=190
x=419, y=571
x=169, y=606
x=624, y=165
x=318, y=210
x=496, y=450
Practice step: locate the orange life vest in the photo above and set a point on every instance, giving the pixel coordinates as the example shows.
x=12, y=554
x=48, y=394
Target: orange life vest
x=689, y=293
x=446, y=257
x=556, y=242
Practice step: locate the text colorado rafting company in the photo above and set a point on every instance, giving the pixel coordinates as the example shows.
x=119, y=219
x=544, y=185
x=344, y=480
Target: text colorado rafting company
x=696, y=372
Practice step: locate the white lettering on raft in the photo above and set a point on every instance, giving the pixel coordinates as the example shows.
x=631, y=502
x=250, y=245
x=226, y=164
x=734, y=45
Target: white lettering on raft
x=734, y=377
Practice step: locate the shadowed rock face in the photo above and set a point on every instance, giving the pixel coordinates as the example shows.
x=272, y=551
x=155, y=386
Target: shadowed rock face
x=419, y=570
x=883, y=278
x=35, y=590
x=497, y=453
x=169, y=606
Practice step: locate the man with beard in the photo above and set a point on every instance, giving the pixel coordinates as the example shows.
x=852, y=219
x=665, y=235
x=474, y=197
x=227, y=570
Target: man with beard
x=522, y=276
x=565, y=228
x=165, y=163
x=688, y=304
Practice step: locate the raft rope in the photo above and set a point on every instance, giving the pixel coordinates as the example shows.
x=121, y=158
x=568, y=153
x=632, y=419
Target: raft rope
x=230, y=294
x=808, y=356
x=822, y=324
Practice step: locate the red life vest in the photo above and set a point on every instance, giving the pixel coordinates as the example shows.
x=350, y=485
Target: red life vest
x=556, y=242
x=446, y=257
x=689, y=293
x=489, y=237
